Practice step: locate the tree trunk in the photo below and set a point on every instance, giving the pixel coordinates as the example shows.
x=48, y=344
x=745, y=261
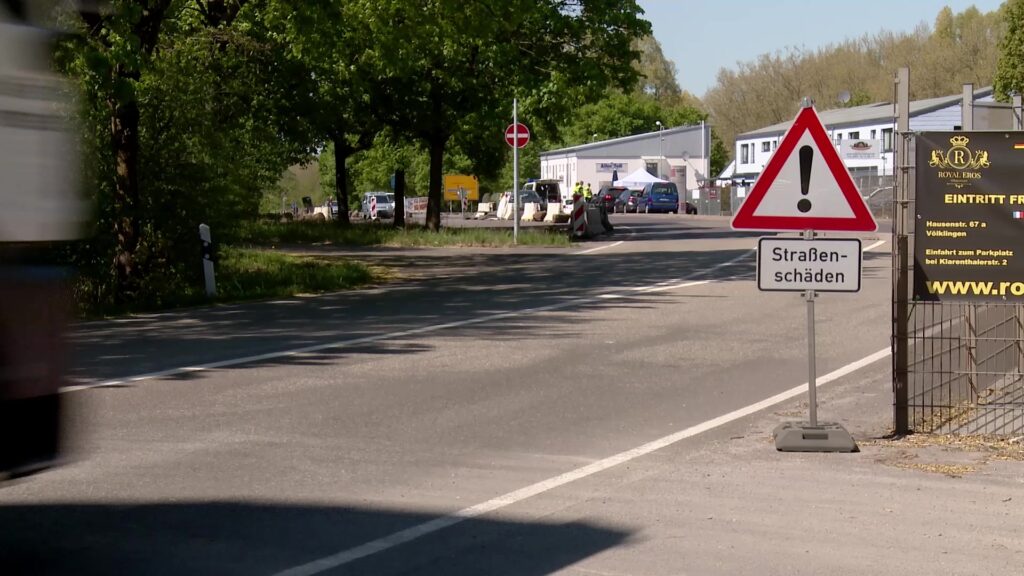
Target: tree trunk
x=124, y=135
x=399, y=198
x=341, y=154
x=435, y=194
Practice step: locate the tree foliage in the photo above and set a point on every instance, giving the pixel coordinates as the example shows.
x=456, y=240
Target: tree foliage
x=960, y=48
x=1010, y=67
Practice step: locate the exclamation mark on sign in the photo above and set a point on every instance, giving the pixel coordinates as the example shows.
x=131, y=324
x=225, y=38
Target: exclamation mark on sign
x=806, y=159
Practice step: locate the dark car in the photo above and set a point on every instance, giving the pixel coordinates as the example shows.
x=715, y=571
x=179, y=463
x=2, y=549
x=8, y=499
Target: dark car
x=628, y=201
x=608, y=196
x=526, y=196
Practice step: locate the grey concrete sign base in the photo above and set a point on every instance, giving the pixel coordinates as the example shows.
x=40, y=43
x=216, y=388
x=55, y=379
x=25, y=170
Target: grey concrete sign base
x=802, y=437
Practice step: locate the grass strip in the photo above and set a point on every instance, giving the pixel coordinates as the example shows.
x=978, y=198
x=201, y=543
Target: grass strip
x=376, y=234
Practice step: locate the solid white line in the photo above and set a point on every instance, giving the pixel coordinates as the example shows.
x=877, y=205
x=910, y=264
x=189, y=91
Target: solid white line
x=592, y=250
x=875, y=245
x=298, y=352
x=631, y=233
x=420, y=530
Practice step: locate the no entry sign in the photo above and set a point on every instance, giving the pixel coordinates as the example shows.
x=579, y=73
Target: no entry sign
x=517, y=135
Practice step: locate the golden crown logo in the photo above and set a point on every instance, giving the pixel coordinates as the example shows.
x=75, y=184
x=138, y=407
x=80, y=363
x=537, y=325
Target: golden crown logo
x=959, y=156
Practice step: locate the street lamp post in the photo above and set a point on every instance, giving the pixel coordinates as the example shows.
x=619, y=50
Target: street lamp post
x=661, y=146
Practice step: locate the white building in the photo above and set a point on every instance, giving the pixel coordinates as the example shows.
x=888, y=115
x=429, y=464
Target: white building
x=680, y=155
x=871, y=125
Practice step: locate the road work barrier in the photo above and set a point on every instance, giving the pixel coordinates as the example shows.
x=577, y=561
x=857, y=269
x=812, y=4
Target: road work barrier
x=530, y=211
x=505, y=209
x=483, y=209
x=595, y=221
x=578, y=225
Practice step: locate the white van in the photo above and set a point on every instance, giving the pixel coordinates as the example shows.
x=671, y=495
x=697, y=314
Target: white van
x=554, y=194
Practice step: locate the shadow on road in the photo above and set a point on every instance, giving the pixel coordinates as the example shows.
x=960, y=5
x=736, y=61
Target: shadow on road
x=224, y=538
x=437, y=290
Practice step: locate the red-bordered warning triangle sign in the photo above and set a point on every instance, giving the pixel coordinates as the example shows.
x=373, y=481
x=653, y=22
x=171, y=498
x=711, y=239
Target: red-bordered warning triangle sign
x=805, y=186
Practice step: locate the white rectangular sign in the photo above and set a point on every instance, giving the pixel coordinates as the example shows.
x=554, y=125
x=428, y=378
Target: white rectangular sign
x=860, y=149
x=796, y=265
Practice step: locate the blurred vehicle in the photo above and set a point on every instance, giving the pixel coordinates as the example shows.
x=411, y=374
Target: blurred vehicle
x=628, y=201
x=385, y=204
x=531, y=196
x=39, y=191
x=607, y=196
x=552, y=193
x=329, y=209
x=661, y=197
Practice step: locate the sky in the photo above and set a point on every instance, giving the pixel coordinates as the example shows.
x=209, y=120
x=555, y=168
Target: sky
x=703, y=36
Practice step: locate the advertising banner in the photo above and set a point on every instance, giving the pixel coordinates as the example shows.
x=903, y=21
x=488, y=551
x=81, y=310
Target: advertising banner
x=969, y=226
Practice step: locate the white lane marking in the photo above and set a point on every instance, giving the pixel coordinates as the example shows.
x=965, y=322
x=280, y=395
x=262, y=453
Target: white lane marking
x=592, y=250
x=299, y=352
x=875, y=245
x=420, y=530
x=631, y=233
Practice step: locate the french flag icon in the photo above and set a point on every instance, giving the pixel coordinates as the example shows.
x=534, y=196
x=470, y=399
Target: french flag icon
x=1018, y=214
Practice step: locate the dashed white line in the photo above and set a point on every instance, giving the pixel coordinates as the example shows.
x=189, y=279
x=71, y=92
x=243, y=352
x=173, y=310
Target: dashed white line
x=409, y=534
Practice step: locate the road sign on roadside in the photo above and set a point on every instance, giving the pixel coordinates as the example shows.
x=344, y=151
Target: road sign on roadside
x=517, y=135
x=796, y=265
x=805, y=186
x=373, y=207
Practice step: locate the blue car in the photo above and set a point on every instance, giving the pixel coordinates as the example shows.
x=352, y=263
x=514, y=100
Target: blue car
x=661, y=197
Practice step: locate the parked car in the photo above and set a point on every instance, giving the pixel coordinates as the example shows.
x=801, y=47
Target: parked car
x=609, y=197
x=661, y=197
x=531, y=196
x=385, y=204
x=628, y=201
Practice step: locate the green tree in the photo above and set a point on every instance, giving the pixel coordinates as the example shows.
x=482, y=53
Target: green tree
x=450, y=69
x=1010, y=67
x=328, y=48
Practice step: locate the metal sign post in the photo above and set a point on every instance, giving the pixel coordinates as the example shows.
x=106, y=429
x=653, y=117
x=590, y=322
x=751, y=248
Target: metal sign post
x=515, y=172
x=812, y=374
x=813, y=436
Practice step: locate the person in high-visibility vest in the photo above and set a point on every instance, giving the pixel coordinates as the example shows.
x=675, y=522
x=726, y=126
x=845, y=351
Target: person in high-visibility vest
x=578, y=188
x=588, y=193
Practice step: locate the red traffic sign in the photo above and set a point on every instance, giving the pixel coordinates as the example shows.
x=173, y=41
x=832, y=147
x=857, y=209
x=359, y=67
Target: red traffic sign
x=805, y=186
x=517, y=135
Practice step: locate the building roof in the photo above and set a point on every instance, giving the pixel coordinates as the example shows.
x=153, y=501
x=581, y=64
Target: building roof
x=878, y=112
x=595, y=146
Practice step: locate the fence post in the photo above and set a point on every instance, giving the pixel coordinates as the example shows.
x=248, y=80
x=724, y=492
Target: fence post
x=902, y=220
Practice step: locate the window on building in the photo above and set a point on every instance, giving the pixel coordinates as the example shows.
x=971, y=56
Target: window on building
x=887, y=140
x=854, y=135
x=766, y=146
x=838, y=138
x=874, y=134
x=744, y=154
x=775, y=144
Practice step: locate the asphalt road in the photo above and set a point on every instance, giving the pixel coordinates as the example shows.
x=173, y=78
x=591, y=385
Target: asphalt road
x=492, y=412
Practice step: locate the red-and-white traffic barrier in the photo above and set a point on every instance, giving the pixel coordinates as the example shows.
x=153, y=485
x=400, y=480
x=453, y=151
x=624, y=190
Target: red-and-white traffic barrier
x=579, y=216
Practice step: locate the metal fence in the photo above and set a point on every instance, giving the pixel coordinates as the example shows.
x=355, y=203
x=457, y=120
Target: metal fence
x=965, y=368
x=958, y=367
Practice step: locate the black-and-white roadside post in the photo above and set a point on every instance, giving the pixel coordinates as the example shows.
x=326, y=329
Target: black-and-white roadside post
x=208, y=257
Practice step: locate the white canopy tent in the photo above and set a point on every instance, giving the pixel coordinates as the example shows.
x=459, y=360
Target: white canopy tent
x=638, y=178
